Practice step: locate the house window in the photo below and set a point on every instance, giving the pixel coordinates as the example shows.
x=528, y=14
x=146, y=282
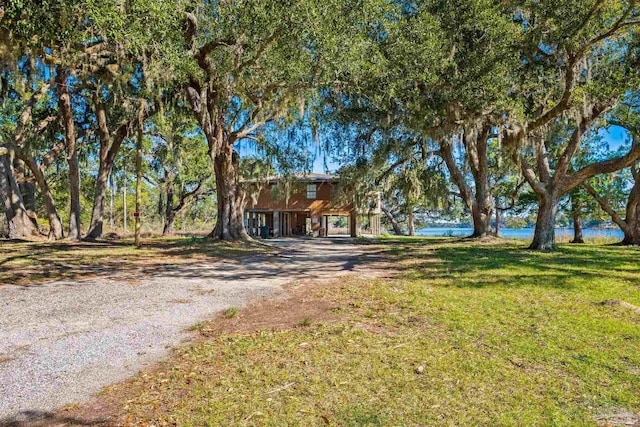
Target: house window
x=312, y=192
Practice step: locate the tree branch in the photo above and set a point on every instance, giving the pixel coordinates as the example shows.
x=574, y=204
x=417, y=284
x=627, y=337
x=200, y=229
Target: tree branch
x=605, y=166
x=530, y=175
x=252, y=124
x=574, y=142
x=605, y=206
x=263, y=47
x=542, y=161
x=514, y=197
x=51, y=155
x=25, y=116
x=569, y=85
x=456, y=174
x=573, y=58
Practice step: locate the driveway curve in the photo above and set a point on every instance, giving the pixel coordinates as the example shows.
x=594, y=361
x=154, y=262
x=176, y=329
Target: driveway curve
x=61, y=342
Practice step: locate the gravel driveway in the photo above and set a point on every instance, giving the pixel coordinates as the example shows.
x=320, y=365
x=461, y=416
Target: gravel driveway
x=63, y=341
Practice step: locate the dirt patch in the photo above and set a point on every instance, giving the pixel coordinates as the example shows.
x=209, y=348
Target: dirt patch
x=301, y=305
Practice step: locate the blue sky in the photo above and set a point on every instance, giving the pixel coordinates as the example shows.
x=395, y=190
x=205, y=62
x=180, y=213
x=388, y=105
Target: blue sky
x=614, y=135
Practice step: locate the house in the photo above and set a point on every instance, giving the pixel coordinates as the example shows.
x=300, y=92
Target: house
x=308, y=205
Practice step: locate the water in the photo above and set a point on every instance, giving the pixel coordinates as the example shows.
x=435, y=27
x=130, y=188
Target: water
x=525, y=233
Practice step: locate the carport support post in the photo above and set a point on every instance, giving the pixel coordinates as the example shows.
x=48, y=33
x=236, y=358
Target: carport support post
x=354, y=223
x=276, y=223
x=324, y=226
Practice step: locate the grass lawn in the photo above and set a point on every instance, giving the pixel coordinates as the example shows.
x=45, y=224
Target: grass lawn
x=28, y=262
x=467, y=334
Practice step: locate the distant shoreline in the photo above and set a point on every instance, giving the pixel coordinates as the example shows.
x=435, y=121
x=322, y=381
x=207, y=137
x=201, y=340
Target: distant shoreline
x=521, y=233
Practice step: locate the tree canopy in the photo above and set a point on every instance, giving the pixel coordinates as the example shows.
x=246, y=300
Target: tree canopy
x=437, y=104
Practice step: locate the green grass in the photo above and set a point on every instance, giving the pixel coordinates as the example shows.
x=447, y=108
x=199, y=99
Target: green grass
x=305, y=322
x=230, y=312
x=26, y=262
x=197, y=327
x=506, y=336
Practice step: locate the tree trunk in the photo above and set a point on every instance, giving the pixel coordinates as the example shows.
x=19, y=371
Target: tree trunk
x=169, y=213
x=4, y=226
x=124, y=203
x=230, y=196
x=397, y=230
x=18, y=221
x=72, y=153
x=171, y=210
x=111, y=191
x=55, y=223
x=482, y=205
x=99, y=198
x=27, y=186
x=544, y=235
x=576, y=209
x=482, y=213
x=412, y=225
x=138, y=224
x=169, y=222
x=630, y=225
x=497, y=222
x=110, y=143
x=104, y=170
x=577, y=228
x=631, y=236
x=550, y=187
x=74, y=191
x=479, y=202
x=632, y=219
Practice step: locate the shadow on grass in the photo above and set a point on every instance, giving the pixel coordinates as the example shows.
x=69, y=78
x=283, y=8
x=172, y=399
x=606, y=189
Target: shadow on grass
x=196, y=258
x=23, y=262
x=457, y=261
x=468, y=263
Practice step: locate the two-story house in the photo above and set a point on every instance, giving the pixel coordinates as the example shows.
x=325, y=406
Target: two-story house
x=307, y=205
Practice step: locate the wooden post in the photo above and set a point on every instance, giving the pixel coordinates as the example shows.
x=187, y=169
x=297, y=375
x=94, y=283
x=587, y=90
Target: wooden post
x=276, y=223
x=324, y=226
x=354, y=222
x=124, y=200
x=111, y=190
x=254, y=224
